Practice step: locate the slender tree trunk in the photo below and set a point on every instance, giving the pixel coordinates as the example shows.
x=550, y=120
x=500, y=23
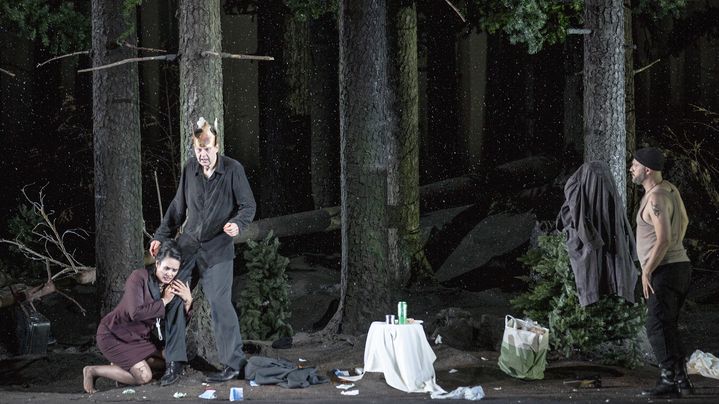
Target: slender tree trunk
x=364, y=103
x=284, y=111
x=200, y=96
x=604, y=109
x=406, y=257
x=116, y=131
x=324, y=99
x=200, y=76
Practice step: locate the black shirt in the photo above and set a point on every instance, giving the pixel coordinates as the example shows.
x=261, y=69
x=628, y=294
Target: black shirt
x=208, y=204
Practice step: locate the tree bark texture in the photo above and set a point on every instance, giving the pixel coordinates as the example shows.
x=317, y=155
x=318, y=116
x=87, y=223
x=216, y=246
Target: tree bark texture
x=116, y=139
x=284, y=111
x=405, y=253
x=364, y=104
x=629, y=108
x=604, y=96
x=200, y=96
x=200, y=76
x=324, y=99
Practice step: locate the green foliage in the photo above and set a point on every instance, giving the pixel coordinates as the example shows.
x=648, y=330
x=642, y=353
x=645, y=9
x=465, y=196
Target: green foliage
x=60, y=26
x=607, y=329
x=264, y=303
x=23, y=223
x=658, y=9
x=310, y=9
x=535, y=23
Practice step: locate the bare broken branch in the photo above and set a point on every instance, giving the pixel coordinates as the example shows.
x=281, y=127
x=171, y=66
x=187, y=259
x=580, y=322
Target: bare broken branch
x=131, y=46
x=62, y=57
x=7, y=72
x=129, y=60
x=647, y=66
x=237, y=56
x=456, y=10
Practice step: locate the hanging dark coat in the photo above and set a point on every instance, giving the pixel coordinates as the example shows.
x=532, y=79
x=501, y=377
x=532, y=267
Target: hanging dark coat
x=600, y=241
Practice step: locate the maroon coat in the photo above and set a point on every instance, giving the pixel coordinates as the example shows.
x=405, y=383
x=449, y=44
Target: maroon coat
x=123, y=335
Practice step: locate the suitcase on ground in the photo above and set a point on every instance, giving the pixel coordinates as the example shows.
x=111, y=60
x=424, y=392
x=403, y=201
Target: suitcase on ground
x=33, y=330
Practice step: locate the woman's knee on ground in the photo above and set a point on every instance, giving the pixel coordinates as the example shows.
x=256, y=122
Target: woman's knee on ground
x=141, y=372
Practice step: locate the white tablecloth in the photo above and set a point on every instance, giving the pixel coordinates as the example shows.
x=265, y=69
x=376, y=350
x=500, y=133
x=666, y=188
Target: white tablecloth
x=403, y=354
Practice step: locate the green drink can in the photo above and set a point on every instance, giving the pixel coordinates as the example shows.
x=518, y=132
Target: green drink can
x=402, y=313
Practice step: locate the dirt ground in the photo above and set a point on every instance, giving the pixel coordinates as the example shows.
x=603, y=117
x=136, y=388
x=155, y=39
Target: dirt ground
x=57, y=377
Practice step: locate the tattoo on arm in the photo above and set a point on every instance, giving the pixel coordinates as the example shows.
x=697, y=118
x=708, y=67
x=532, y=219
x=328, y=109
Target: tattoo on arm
x=655, y=209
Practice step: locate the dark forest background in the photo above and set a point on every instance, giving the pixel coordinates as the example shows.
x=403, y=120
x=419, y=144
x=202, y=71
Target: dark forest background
x=483, y=102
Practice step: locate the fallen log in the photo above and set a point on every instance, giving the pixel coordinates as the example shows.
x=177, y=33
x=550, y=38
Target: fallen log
x=440, y=195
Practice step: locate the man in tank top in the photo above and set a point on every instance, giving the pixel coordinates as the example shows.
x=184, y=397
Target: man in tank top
x=661, y=224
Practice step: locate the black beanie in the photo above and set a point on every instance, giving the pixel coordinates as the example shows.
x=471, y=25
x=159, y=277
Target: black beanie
x=650, y=157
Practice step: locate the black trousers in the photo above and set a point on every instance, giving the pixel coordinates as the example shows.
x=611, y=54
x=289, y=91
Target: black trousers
x=671, y=284
x=216, y=284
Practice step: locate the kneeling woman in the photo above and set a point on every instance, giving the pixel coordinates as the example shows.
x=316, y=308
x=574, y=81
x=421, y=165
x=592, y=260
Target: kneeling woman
x=123, y=335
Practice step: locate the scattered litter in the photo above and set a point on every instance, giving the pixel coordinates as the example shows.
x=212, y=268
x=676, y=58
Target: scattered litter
x=453, y=371
x=359, y=371
x=237, y=394
x=606, y=401
x=345, y=386
x=253, y=383
x=704, y=364
x=341, y=372
x=483, y=358
x=128, y=391
x=350, y=393
x=179, y=394
x=466, y=393
x=497, y=388
x=302, y=360
x=208, y=395
x=205, y=384
x=438, y=339
x=144, y=397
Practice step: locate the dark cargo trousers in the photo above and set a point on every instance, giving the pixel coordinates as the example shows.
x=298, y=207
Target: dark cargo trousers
x=216, y=282
x=671, y=284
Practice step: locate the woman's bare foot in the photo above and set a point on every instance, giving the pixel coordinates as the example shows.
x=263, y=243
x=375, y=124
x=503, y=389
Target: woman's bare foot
x=88, y=379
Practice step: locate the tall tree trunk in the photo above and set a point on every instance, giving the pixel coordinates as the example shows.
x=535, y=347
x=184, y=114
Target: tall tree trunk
x=604, y=117
x=405, y=255
x=116, y=130
x=284, y=111
x=200, y=76
x=364, y=102
x=324, y=105
x=630, y=110
x=200, y=96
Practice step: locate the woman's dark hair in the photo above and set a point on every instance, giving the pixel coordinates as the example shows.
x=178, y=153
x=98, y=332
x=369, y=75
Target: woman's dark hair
x=169, y=249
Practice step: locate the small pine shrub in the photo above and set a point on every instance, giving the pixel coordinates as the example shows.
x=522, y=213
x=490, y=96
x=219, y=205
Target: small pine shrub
x=264, y=304
x=605, y=331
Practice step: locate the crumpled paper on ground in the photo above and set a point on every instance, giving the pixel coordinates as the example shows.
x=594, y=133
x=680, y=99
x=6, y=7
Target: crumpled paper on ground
x=704, y=364
x=462, y=393
x=208, y=395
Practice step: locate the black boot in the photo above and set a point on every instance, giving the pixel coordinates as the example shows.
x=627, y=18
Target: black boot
x=685, y=387
x=227, y=373
x=666, y=386
x=173, y=371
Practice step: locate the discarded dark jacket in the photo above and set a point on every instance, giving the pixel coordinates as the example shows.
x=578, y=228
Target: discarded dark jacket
x=280, y=372
x=600, y=241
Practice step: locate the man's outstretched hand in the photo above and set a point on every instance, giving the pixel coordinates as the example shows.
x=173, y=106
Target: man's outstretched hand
x=154, y=247
x=231, y=229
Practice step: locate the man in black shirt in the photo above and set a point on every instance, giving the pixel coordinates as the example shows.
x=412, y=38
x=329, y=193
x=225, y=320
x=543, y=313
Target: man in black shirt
x=215, y=203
